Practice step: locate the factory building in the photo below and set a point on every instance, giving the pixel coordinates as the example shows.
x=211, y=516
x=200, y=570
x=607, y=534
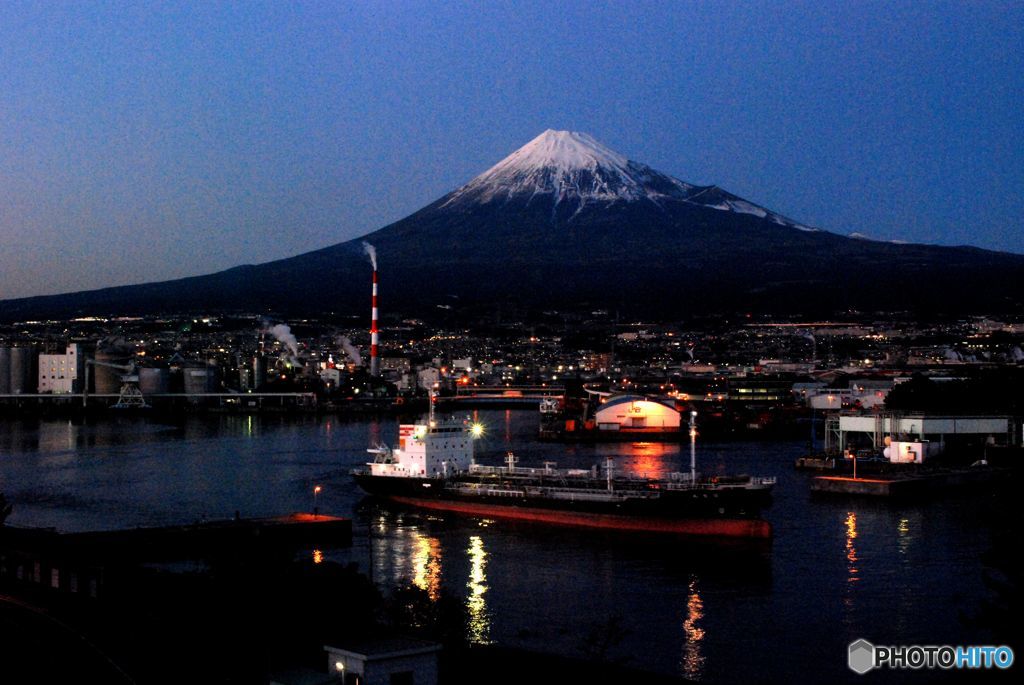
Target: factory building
x=885, y=429
x=633, y=412
x=62, y=374
x=428, y=377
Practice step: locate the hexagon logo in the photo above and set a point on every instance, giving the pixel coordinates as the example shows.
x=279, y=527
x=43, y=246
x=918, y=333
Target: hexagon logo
x=861, y=657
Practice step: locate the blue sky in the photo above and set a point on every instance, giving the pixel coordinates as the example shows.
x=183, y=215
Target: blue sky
x=145, y=141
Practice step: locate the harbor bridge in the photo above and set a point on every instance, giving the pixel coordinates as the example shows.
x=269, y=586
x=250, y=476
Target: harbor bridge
x=505, y=394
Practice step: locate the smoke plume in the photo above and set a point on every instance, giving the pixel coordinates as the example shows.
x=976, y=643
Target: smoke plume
x=350, y=349
x=283, y=334
x=371, y=252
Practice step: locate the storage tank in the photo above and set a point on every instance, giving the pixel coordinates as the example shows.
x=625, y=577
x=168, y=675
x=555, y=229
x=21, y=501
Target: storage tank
x=5, y=370
x=23, y=379
x=154, y=380
x=200, y=379
x=107, y=381
x=259, y=371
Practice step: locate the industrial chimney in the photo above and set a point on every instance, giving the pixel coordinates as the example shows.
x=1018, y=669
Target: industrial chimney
x=374, y=339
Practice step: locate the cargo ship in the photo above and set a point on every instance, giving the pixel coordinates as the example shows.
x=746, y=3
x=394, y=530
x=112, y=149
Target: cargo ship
x=433, y=467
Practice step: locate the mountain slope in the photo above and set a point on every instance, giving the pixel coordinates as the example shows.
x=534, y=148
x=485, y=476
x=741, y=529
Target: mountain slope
x=565, y=221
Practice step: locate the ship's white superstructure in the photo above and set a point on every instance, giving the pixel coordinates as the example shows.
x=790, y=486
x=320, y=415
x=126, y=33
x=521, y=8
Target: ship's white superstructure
x=426, y=450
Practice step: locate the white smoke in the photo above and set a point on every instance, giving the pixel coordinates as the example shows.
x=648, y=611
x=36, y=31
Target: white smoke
x=1018, y=355
x=350, y=349
x=371, y=252
x=283, y=334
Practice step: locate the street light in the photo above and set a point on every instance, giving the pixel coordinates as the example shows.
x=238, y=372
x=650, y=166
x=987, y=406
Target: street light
x=316, y=491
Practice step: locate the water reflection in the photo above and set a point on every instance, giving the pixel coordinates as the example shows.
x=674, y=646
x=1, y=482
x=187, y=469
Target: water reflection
x=852, y=575
x=851, y=550
x=693, y=634
x=903, y=536
x=642, y=459
x=426, y=565
x=903, y=609
x=402, y=553
x=476, y=605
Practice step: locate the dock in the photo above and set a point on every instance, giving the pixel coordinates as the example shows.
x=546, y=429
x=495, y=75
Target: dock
x=187, y=540
x=94, y=563
x=917, y=485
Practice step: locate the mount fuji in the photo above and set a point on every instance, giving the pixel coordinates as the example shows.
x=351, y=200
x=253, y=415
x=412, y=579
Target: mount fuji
x=572, y=170
x=566, y=222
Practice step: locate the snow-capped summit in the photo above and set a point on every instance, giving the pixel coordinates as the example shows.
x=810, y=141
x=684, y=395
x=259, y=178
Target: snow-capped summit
x=564, y=150
x=570, y=167
x=572, y=170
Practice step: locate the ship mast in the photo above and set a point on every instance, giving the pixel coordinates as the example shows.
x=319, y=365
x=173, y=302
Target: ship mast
x=693, y=446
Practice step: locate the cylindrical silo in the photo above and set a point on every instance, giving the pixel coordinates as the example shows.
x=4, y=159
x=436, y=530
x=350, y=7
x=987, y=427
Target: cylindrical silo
x=200, y=380
x=154, y=380
x=22, y=381
x=259, y=370
x=5, y=370
x=195, y=380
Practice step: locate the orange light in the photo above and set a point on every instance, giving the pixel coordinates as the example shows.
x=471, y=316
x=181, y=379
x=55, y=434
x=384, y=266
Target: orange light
x=317, y=490
x=318, y=556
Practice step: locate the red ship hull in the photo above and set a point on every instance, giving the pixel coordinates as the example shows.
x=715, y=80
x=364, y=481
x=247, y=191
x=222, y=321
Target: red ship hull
x=734, y=528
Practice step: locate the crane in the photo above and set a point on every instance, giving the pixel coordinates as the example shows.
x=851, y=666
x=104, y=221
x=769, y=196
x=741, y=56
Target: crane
x=130, y=396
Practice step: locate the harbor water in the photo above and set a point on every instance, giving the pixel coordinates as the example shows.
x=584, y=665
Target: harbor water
x=837, y=569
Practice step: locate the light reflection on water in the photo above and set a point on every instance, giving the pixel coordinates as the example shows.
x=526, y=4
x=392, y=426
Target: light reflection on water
x=426, y=565
x=693, y=634
x=851, y=548
x=476, y=605
x=403, y=550
x=852, y=571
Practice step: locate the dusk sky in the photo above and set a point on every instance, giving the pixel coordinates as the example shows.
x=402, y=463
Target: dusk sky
x=148, y=141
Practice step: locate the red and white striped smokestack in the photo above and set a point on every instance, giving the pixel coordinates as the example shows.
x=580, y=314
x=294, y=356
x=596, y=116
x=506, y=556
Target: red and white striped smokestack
x=374, y=334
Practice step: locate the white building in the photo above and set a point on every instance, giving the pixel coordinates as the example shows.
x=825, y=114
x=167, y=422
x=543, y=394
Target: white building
x=385, y=662
x=331, y=378
x=62, y=373
x=632, y=412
